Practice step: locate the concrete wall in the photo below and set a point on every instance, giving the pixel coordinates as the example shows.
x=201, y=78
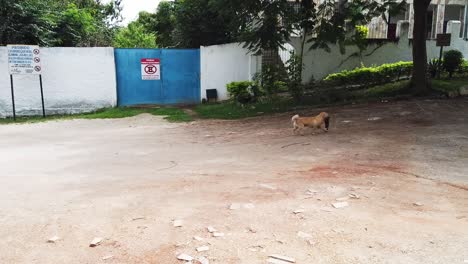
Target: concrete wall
x=222, y=64
x=319, y=63
x=75, y=80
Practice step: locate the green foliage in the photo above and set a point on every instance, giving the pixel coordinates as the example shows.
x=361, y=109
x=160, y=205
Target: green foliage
x=335, y=17
x=164, y=24
x=366, y=76
x=76, y=27
x=453, y=60
x=230, y=110
x=271, y=80
x=433, y=66
x=58, y=23
x=359, y=39
x=294, y=68
x=243, y=92
x=26, y=22
x=267, y=25
x=464, y=68
x=446, y=86
x=201, y=23
x=134, y=36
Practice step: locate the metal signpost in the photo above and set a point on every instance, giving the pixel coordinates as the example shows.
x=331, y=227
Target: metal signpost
x=25, y=60
x=443, y=40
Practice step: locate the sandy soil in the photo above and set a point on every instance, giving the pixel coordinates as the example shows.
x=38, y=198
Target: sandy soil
x=127, y=180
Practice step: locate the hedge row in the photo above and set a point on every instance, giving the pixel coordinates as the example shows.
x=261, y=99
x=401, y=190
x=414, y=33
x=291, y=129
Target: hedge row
x=371, y=75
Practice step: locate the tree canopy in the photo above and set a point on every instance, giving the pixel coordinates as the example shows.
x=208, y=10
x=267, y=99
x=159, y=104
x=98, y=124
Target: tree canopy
x=70, y=23
x=260, y=24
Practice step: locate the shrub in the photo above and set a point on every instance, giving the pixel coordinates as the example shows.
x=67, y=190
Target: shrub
x=267, y=78
x=433, y=67
x=464, y=68
x=243, y=92
x=453, y=60
x=294, y=69
x=366, y=76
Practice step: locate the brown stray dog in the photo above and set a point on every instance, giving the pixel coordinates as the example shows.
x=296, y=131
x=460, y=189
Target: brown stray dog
x=321, y=121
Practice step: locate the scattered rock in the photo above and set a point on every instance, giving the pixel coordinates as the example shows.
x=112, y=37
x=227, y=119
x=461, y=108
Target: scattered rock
x=303, y=235
x=182, y=244
x=211, y=229
x=96, y=242
x=248, y=206
x=354, y=196
x=338, y=230
x=53, y=239
x=340, y=205
x=417, y=204
x=283, y=258
x=279, y=241
x=203, y=260
x=251, y=229
x=107, y=257
x=299, y=211
x=342, y=198
x=276, y=261
x=256, y=248
x=235, y=206
x=197, y=238
x=267, y=186
x=464, y=90
x=203, y=248
x=184, y=257
x=218, y=234
x=453, y=94
x=178, y=223
x=138, y=218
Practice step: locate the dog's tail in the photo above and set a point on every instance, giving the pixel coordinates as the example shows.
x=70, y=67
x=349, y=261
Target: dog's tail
x=294, y=118
x=326, y=119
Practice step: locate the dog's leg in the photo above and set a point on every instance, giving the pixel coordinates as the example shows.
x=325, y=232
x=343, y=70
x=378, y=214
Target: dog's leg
x=302, y=128
x=324, y=127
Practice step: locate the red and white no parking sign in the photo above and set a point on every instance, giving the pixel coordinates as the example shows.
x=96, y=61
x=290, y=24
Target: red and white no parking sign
x=150, y=69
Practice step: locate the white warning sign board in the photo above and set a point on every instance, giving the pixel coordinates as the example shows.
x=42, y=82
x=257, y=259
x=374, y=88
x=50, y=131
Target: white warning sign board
x=24, y=59
x=150, y=69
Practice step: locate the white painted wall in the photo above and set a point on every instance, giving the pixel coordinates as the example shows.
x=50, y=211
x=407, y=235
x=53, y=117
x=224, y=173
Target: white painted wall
x=222, y=64
x=75, y=80
x=319, y=63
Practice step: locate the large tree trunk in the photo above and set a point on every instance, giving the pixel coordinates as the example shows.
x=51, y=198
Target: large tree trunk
x=419, y=81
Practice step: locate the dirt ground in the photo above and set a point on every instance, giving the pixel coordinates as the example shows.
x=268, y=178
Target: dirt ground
x=127, y=180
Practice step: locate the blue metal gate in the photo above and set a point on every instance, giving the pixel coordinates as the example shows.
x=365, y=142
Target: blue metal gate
x=179, y=82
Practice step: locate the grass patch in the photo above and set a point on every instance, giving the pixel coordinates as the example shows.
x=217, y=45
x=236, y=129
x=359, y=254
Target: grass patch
x=323, y=97
x=231, y=110
x=171, y=114
x=452, y=85
x=385, y=90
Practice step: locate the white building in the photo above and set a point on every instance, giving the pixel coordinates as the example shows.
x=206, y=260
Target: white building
x=439, y=13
